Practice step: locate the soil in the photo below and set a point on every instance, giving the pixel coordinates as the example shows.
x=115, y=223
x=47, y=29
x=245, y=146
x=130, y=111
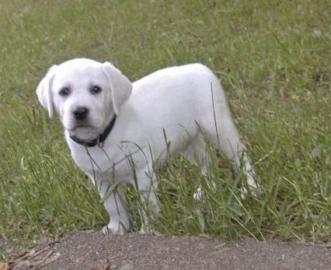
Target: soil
x=96, y=251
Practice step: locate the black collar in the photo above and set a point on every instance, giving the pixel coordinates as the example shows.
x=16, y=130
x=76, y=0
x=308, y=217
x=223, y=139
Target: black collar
x=100, y=139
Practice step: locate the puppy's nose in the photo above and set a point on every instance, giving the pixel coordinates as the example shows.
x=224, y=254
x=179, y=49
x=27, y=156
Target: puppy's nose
x=80, y=113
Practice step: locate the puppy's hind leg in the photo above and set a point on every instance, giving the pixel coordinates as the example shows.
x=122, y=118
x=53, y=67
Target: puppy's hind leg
x=223, y=133
x=229, y=143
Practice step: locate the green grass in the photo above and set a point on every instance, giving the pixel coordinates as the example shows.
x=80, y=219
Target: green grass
x=274, y=59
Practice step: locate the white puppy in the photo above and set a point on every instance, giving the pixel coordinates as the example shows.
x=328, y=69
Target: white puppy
x=119, y=131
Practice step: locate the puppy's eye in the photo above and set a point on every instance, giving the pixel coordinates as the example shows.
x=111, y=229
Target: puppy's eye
x=65, y=91
x=95, y=89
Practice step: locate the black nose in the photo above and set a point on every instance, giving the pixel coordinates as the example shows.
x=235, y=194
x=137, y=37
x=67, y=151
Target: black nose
x=80, y=113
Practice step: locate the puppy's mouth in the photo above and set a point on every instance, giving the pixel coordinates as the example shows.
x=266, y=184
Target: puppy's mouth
x=81, y=126
x=84, y=132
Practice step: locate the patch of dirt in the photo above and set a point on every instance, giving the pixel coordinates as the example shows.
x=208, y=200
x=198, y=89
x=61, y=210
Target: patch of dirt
x=96, y=251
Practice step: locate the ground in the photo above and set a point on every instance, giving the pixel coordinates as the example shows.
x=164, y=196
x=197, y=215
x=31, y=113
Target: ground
x=95, y=251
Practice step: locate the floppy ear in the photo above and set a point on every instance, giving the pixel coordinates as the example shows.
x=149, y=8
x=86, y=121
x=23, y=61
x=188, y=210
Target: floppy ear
x=44, y=91
x=120, y=85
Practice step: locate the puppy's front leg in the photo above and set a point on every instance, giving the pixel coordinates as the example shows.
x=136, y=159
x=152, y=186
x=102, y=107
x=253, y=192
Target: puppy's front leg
x=147, y=185
x=119, y=222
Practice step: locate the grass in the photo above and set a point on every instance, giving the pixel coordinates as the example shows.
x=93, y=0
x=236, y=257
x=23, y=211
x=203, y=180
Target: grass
x=274, y=61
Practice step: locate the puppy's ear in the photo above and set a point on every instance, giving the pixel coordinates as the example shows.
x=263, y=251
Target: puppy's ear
x=120, y=85
x=44, y=91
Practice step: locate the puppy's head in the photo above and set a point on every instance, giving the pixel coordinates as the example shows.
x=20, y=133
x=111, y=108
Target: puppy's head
x=85, y=94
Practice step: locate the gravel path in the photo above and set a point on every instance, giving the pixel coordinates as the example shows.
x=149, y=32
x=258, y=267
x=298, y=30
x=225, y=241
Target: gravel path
x=95, y=251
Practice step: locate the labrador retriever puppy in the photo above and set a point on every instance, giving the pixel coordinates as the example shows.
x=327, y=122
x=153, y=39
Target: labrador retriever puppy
x=118, y=131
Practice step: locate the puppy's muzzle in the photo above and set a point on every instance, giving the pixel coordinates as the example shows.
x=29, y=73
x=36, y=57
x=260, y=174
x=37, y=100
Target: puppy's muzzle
x=80, y=113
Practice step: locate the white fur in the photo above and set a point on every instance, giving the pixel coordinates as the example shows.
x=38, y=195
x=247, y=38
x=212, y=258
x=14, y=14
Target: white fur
x=164, y=113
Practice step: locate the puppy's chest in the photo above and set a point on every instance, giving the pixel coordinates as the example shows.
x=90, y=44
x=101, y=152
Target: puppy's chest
x=92, y=160
x=105, y=163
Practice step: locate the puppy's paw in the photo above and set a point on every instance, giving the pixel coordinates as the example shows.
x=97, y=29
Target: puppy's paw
x=198, y=194
x=112, y=228
x=253, y=190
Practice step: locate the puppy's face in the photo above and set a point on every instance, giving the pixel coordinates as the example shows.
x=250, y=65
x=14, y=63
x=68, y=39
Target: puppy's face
x=81, y=96
x=85, y=94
